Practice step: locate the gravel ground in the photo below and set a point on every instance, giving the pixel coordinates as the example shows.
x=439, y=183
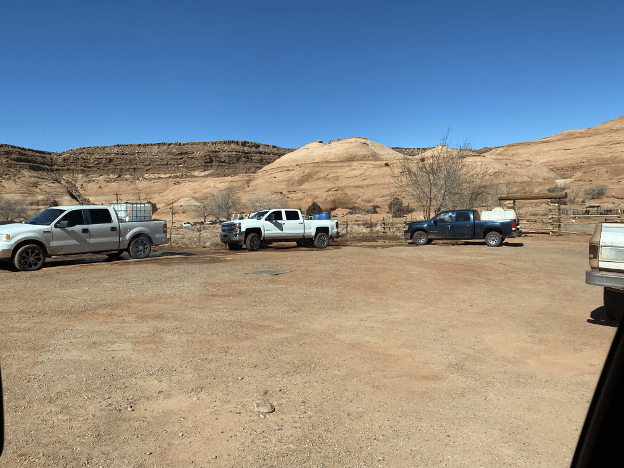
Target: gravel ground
x=371, y=353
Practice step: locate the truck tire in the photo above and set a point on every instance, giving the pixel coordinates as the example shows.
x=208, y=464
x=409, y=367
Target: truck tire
x=29, y=257
x=614, y=304
x=493, y=239
x=140, y=247
x=252, y=242
x=321, y=240
x=420, y=238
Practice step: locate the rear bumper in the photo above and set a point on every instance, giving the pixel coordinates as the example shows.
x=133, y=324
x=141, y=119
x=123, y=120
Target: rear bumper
x=606, y=280
x=407, y=234
x=517, y=233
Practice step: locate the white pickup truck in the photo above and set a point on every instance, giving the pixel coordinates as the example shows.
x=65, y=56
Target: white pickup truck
x=278, y=226
x=606, y=260
x=71, y=230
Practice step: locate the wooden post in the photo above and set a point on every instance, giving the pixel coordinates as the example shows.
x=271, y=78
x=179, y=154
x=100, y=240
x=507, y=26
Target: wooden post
x=554, y=215
x=171, y=235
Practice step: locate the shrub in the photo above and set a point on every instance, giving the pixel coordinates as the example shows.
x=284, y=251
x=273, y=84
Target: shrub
x=555, y=189
x=597, y=191
x=313, y=209
x=397, y=208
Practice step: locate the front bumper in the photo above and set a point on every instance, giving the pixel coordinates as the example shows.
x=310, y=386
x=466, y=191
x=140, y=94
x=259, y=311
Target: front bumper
x=232, y=237
x=6, y=253
x=606, y=280
x=517, y=233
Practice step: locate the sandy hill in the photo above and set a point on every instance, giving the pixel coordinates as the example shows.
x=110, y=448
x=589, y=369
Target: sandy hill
x=351, y=171
x=586, y=157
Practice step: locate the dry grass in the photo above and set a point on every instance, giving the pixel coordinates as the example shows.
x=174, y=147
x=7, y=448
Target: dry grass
x=197, y=237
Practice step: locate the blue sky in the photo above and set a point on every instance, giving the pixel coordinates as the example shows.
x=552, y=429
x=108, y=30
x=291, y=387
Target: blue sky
x=81, y=73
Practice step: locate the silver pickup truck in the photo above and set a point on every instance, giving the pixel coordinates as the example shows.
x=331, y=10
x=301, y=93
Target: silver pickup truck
x=606, y=260
x=278, y=226
x=71, y=230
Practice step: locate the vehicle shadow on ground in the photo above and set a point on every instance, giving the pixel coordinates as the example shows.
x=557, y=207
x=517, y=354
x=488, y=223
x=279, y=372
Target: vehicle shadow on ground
x=477, y=242
x=89, y=259
x=599, y=317
x=171, y=254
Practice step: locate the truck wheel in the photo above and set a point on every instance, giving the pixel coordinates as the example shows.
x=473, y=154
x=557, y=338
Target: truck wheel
x=613, y=304
x=140, y=247
x=420, y=238
x=29, y=258
x=493, y=239
x=321, y=240
x=253, y=242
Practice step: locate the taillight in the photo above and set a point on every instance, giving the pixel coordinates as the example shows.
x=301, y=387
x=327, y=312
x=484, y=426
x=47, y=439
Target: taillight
x=165, y=228
x=593, y=251
x=514, y=225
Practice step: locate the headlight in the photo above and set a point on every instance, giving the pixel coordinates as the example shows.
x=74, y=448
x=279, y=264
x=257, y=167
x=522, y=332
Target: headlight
x=5, y=237
x=238, y=226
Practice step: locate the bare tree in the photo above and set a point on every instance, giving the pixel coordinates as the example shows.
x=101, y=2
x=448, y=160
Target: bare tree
x=223, y=203
x=10, y=210
x=443, y=179
x=203, y=208
x=260, y=201
x=574, y=195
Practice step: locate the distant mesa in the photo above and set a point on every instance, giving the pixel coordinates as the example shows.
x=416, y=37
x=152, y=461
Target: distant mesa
x=352, y=170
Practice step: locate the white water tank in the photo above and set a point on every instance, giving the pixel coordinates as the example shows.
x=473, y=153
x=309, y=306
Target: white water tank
x=498, y=214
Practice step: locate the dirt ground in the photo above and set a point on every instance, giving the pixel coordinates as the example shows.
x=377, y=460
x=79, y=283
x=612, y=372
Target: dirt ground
x=374, y=354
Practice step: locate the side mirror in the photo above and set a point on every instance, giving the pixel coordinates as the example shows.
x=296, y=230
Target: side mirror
x=435, y=222
x=62, y=224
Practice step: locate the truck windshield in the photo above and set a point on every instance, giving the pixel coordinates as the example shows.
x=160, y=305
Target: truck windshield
x=258, y=215
x=46, y=217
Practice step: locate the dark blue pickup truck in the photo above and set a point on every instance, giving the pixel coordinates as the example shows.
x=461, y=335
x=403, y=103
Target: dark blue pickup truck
x=461, y=224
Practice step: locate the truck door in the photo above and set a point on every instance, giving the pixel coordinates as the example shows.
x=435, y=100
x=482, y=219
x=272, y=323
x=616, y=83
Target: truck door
x=274, y=225
x=441, y=228
x=72, y=239
x=462, y=227
x=293, y=224
x=103, y=230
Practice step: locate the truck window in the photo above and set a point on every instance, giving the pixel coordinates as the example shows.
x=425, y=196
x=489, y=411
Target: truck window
x=275, y=216
x=73, y=218
x=444, y=218
x=45, y=217
x=100, y=216
x=462, y=216
x=292, y=215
